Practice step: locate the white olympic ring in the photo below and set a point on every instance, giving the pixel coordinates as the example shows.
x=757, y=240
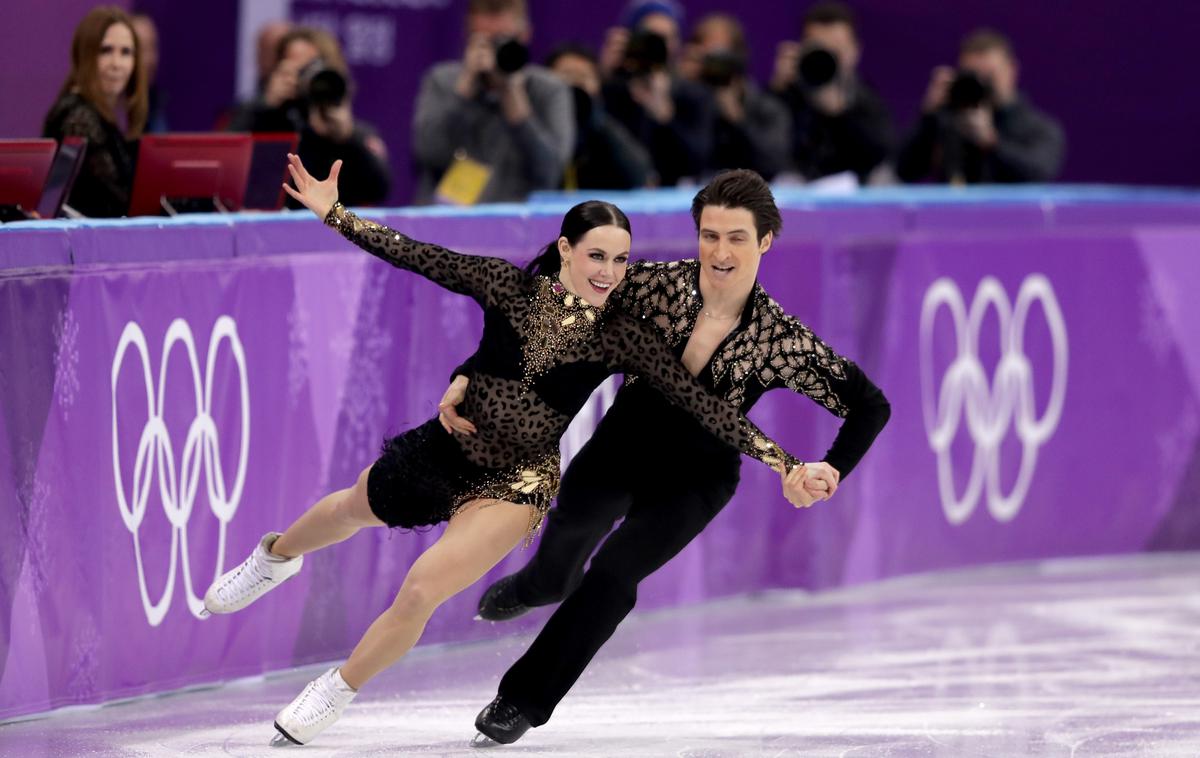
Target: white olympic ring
x=201, y=448
x=990, y=408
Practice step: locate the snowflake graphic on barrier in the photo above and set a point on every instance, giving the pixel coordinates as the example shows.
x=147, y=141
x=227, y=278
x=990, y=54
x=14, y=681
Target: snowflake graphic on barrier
x=364, y=403
x=85, y=655
x=1153, y=327
x=297, y=370
x=34, y=495
x=66, y=360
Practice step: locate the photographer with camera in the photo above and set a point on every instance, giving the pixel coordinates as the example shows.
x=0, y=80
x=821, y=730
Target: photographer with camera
x=976, y=127
x=491, y=127
x=309, y=91
x=671, y=117
x=839, y=124
x=606, y=155
x=752, y=129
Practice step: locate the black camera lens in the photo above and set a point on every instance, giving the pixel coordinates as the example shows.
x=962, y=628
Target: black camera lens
x=818, y=67
x=968, y=90
x=719, y=69
x=645, y=52
x=326, y=88
x=511, y=55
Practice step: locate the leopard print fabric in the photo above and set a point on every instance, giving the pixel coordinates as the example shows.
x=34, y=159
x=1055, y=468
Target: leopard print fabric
x=769, y=349
x=516, y=425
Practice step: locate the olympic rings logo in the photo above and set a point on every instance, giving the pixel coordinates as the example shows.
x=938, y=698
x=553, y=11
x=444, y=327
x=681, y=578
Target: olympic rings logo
x=201, y=451
x=990, y=408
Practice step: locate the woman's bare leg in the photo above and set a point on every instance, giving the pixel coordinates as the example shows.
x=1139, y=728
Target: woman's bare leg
x=475, y=540
x=334, y=518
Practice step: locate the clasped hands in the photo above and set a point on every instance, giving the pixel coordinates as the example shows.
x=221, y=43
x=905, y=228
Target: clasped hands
x=802, y=486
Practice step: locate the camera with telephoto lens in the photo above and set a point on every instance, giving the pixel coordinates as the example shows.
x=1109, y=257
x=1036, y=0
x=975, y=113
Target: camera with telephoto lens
x=511, y=55
x=817, y=67
x=720, y=68
x=645, y=53
x=321, y=87
x=968, y=90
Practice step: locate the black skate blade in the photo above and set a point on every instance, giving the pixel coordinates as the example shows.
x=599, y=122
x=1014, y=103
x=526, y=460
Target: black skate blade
x=481, y=740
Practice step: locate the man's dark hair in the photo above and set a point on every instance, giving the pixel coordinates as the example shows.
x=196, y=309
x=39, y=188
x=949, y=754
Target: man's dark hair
x=488, y=7
x=571, y=49
x=831, y=12
x=741, y=188
x=985, y=40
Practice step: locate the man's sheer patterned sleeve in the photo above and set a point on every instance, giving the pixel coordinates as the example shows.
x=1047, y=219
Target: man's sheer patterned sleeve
x=805, y=364
x=487, y=280
x=633, y=346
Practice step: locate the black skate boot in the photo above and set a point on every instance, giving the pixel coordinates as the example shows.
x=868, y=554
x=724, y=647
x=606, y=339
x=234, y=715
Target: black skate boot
x=500, y=601
x=500, y=723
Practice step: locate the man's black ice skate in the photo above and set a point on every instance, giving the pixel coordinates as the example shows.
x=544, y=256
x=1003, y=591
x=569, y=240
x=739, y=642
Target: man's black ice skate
x=500, y=602
x=501, y=723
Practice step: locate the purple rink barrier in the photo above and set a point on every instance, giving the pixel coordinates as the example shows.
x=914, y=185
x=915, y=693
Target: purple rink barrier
x=161, y=408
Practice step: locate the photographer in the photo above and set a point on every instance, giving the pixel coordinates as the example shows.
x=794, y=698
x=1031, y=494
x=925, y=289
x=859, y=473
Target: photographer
x=839, y=123
x=309, y=91
x=606, y=156
x=976, y=127
x=491, y=127
x=671, y=117
x=752, y=129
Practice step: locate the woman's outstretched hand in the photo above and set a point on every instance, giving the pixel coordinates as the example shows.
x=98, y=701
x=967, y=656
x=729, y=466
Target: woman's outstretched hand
x=317, y=196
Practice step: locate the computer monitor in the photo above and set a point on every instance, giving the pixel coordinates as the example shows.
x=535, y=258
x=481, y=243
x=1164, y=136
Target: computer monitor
x=268, y=169
x=61, y=178
x=24, y=164
x=175, y=168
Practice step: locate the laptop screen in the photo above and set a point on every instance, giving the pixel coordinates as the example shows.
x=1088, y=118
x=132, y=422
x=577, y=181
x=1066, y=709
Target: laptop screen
x=61, y=178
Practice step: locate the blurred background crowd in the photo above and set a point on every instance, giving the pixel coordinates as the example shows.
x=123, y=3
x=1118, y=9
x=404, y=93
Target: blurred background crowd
x=459, y=101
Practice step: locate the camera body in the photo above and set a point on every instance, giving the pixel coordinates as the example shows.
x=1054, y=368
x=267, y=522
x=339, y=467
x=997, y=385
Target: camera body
x=968, y=90
x=722, y=68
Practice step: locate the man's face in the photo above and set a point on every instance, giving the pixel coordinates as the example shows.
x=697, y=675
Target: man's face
x=837, y=38
x=578, y=71
x=504, y=25
x=995, y=66
x=730, y=250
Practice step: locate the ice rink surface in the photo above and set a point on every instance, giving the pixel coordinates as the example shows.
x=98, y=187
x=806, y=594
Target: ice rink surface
x=1072, y=657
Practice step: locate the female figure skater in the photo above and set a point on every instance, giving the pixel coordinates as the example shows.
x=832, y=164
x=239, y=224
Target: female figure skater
x=548, y=341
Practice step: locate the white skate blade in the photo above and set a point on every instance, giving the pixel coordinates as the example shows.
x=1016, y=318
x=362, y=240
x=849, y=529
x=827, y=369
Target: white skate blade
x=483, y=741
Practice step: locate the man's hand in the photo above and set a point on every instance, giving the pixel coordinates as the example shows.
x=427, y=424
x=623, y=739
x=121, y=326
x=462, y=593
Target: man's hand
x=730, y=102
x=794, y=490
x=979, y=126
x=335, y=123
x=938, y=91
x=612, y=52
x=447, y=413
x=653, y=92
x=514, y=99
x=821, y=479
x=281, y=84
x=831, y=99
x=479, y=58
x=787, y=64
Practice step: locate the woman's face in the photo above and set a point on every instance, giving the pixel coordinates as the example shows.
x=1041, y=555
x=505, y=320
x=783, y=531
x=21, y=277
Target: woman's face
x=115, y=65
x=596, y=263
